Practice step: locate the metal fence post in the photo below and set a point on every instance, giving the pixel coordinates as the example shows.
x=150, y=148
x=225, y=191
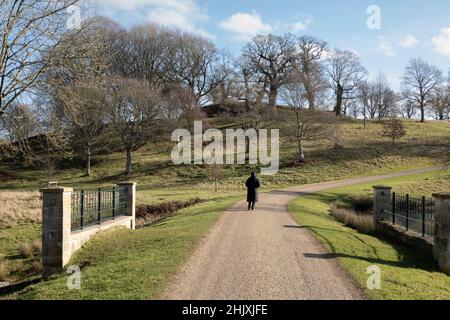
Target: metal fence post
x=99, y=206
x=393, y=208
x=407, y=212
x=113, y=202
x=130, y=192
x=81, y=209
x=423, y=215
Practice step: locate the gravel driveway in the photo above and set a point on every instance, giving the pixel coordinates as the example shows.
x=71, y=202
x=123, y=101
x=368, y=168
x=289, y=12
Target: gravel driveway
x=265, y=254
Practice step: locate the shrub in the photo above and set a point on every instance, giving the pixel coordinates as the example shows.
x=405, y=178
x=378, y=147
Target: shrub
x=148, y=214
x=3, y=271
x=37, y=247
x=361, y=222
x=16, y=266
x=37, y=266
x=26, y=250
x=363, y=204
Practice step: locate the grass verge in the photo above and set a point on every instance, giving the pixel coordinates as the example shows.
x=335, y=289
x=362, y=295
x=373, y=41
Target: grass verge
x=133, y=264
x=17, y=267
x=406, y=272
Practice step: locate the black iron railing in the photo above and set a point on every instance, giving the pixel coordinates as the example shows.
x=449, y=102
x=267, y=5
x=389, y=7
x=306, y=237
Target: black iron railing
x=90, y=207
x=415, y=214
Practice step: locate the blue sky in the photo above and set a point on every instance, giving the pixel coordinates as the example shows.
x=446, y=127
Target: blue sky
x=409, y=28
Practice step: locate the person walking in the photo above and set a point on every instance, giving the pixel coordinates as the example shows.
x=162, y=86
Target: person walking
x=252, y=185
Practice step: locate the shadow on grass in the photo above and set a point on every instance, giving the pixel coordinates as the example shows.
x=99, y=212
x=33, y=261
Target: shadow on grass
x=407, y=256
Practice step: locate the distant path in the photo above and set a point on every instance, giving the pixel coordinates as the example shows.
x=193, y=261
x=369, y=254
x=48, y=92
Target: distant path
x=266, y=255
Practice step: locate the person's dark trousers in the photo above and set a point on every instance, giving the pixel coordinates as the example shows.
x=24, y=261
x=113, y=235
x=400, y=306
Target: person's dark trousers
x=251, y=205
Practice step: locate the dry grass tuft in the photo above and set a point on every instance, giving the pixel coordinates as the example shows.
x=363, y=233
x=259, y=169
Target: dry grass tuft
x=26, y=250
x=20, y=207
x=359, y=221
x=146, y=214
x=37, y=247
x=3, y=271
x=36, y=266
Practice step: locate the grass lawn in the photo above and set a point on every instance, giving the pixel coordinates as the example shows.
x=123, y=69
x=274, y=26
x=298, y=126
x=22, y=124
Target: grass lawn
x=18, y=267
x=406, y=273
x=124, y=264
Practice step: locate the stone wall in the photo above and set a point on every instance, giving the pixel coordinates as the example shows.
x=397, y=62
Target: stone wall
x=438, y=245
x=59, y=242
x=399, y=234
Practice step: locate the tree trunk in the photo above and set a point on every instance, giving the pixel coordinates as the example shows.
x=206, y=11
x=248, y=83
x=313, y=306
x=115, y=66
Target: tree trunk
x=129, y=160
x=339, y=100
x=88, y=163
x=273, y=94
x=301, y=155
x=217, y=184
x=422, y=112
x=310, y=96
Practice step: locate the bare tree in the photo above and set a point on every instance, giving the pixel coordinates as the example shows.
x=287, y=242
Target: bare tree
x=227, y=80
x=179, y=105
x=85, y=110
x=135, y=115
x=36, y=137
x=191, y=63
x=365, y=97
x=250, y=89
x=389, y=105
x=419, y=82
x=380, y=88
x=142, y=52
x=272, y=59
x=75, y=84
x=440, y=102
x=408, y=108
x=30, y=31
x=215, y=173
x=310, y=67
x=394, y=129
x=354, y=109
x=302, y=123
x=346, y=72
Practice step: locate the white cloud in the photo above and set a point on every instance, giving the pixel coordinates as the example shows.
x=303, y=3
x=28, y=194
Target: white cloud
x=301, y=25
x=409, y=41
x=385, y=46
x=182, y=14
x=442, y=42
x=245, y=25
x=356, y=53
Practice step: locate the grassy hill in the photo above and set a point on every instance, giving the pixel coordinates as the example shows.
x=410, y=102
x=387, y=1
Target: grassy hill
x=363, y=152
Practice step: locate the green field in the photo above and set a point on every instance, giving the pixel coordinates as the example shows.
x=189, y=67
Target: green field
x=406, y=273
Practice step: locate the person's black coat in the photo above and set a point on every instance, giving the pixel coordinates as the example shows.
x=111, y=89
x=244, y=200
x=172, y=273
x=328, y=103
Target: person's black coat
x=252, y=185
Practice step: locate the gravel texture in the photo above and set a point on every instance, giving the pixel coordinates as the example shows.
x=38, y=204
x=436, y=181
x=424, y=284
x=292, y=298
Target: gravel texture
x=264, y=254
